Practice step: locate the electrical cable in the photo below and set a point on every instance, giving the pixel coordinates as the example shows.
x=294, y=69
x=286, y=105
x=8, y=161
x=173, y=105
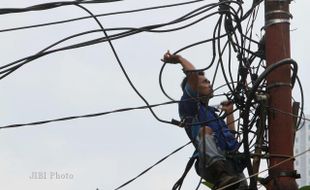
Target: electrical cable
x=123, y=69
x=178, y=51
x=85, y=115
x=67, y=118
x=92, y=42
x=269, y=168
x=199, y=183
x=302, y=102
x=99, y=15
x=51, y=5
x=248, y=104
x=149, y=168
x=287, y=113
x=230, y=17
x=189, y=46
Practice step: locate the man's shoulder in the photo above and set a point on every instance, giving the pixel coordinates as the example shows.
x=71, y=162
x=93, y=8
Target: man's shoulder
x=187, y=105
x=212, y=109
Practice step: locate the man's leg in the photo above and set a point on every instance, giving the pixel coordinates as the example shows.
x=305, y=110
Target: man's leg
x=212, y=161
x=231, y=168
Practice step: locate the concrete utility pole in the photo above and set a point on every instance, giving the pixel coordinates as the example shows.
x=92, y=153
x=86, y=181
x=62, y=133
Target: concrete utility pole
x=277, y=19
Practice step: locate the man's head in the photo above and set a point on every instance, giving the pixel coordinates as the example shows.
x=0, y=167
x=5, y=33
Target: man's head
x=203, y=87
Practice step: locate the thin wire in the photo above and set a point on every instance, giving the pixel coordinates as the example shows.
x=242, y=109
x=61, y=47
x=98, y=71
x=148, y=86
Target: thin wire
x=199, y=184
x=149, y=168
x=123, y=69
x=240, y=49
x=256, y=174
x=51, y=5
x=97, y=114
x=100, y=15
x=99, y=40
x=287, y=113
x=84, y=116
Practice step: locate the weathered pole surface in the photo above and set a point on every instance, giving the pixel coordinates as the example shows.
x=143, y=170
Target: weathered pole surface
x=277, y=35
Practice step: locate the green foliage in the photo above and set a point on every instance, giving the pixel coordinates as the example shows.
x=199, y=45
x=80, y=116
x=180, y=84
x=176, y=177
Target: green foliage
x=305, y=188
x=208, y=184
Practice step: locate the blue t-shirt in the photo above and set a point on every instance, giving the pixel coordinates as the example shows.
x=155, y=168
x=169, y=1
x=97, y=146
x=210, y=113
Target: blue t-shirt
x=194, y=111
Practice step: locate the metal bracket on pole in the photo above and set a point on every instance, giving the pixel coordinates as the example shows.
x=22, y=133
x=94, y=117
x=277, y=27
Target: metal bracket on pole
x=280, y=1
x=279, y=12
x=276, y=21
x=278, y=84
x=280, y=133
x=295, y=110
x=261, y=126
x=293, y=174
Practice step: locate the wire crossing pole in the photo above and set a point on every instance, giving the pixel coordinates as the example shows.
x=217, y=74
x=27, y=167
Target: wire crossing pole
x=277, y=17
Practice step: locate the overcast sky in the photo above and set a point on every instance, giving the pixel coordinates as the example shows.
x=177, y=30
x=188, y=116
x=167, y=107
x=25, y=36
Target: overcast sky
x=104, y=152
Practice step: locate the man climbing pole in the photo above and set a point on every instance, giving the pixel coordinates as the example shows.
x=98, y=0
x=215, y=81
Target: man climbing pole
x=211, y=136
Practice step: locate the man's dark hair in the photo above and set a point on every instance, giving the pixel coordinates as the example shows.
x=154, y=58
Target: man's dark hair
x=183, y=84
x=184, y=81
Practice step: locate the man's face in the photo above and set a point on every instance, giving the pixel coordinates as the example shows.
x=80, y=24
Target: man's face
x=204, y=87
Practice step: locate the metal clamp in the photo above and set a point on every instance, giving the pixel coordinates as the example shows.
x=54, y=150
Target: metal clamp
x=261, y=97
x=278, y=84
x=279, y=12
x=292, y=174
x=276, y=21
x=280, y=1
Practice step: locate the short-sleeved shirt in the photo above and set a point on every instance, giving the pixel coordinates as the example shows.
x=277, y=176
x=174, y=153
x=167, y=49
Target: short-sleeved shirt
x=196, y=115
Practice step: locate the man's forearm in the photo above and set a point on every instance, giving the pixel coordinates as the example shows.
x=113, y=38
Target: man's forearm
x=230, y=121
x=187, y=66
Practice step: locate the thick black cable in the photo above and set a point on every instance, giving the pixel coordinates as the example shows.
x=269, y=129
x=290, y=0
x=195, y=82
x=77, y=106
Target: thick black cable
x=254, y=4
x=40, y=54
x=250, y=29
x=187, y=16
x=221, y=54
x=100, y=15
x=302, y=102
x=220, y=62
x=245, y=50
x=31, y=58
x=123, y=69
x=51, y=5
x=199, y=184
x=67, y=118
x=217, y=28
x=287, y=113
x=183, y=49
x=149, y=168
x=230, y=64
x=187, y=47
x=249, y=102
x=85, y=115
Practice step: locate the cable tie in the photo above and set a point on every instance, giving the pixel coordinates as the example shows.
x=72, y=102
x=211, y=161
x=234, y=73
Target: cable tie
x=223, y=6
x=177, y=123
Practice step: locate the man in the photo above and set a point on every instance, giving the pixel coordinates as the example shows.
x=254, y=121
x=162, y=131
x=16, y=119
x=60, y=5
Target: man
x=211, y=136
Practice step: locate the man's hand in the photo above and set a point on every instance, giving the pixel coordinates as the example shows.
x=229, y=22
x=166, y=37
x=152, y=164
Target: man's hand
x=170, y=58
x=227, y=106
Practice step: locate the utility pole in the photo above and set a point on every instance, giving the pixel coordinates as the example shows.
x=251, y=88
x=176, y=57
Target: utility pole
x=277, y=21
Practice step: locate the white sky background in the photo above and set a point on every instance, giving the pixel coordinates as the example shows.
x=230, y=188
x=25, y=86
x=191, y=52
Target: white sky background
x=106, y=151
